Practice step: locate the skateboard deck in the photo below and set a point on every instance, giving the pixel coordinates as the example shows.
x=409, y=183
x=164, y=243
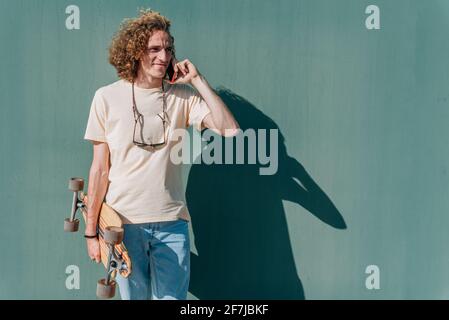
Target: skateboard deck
x=108, y=217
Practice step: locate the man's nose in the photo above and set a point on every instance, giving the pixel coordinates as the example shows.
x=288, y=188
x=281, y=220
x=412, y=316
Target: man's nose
x=164, y=56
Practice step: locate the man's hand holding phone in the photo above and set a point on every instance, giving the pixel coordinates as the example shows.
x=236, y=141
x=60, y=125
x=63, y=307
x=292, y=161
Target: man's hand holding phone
x=182, y=71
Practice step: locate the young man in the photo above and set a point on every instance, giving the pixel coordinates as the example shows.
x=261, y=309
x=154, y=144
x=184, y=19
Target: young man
x=130, y=125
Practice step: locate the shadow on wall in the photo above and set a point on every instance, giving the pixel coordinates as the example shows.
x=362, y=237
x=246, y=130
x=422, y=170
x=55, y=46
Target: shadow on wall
x=239, y=220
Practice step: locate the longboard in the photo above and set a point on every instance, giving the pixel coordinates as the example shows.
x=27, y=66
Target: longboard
x=113, y=253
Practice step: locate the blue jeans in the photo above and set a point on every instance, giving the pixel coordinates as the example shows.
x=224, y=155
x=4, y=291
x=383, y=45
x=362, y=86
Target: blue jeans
x=160, y=256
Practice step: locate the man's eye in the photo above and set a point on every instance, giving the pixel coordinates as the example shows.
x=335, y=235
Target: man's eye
x=156, y=50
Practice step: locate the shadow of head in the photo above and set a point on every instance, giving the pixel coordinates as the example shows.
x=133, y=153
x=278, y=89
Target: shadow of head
x=239, y=222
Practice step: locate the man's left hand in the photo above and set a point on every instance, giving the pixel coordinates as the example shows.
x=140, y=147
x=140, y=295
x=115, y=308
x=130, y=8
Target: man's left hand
x=185, y=71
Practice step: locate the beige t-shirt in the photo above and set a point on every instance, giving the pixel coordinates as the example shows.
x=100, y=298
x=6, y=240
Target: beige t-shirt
x=144, y=185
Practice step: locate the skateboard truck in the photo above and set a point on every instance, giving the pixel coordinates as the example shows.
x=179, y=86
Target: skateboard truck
x=76, y=185
x=110, y=237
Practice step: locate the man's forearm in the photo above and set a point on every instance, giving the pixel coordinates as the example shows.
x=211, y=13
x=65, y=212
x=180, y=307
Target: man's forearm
x=98, y=184
x=222, y=117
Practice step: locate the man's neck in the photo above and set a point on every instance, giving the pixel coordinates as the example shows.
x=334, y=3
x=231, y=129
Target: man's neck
x=146, y=81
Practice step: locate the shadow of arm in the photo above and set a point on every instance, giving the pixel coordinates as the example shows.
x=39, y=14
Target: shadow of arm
x=311, y=196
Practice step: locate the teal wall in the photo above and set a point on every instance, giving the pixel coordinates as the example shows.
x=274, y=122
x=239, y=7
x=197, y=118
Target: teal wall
x=363, y=158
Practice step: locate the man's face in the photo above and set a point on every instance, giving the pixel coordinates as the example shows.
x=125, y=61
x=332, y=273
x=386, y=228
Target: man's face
x=157, y=56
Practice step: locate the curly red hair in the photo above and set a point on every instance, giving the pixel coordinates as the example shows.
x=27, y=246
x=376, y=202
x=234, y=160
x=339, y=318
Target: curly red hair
x=131, y=40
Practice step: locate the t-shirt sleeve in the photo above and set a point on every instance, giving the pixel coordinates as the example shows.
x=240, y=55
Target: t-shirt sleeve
x=95, y=129
x=198, y=108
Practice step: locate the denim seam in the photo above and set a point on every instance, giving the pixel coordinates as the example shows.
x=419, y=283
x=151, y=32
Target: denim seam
x=154, y=279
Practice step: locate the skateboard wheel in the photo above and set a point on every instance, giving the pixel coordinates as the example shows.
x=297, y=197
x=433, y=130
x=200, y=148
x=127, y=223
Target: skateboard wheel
x=106, y=291
x=113, y=235
x=76, y=184
x=71, y=226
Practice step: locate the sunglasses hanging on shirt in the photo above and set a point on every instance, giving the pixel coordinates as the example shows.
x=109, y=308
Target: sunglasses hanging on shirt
x=149, y=131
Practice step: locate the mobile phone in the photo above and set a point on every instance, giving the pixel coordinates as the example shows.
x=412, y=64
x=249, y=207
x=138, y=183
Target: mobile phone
x=170, y=71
